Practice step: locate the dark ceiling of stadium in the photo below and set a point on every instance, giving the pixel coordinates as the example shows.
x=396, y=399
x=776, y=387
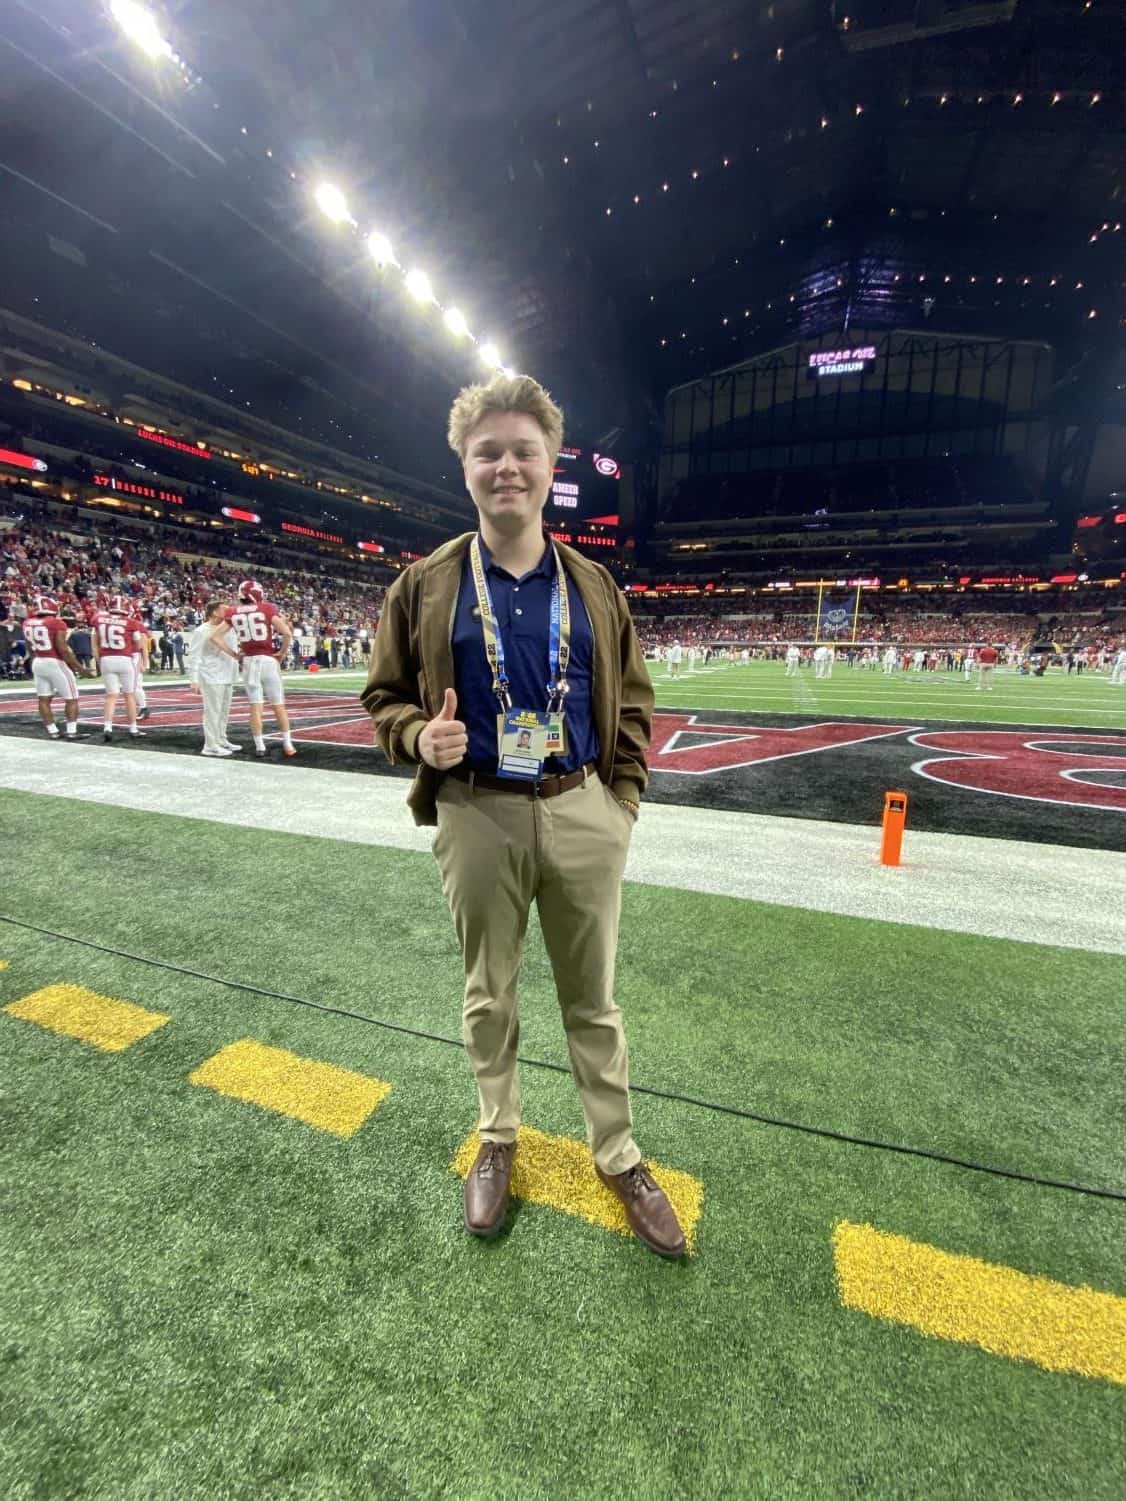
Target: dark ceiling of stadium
x=623, y=193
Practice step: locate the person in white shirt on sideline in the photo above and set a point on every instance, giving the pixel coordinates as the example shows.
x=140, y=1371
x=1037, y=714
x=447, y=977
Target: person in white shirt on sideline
x=141, y=666
x=793, y=660
x=1118, y=671
x=891, y=656
x=673, y=658
x=823, y=662
x=213, y=669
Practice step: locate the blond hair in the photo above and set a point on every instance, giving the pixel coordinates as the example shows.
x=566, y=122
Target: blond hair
x=505, y=393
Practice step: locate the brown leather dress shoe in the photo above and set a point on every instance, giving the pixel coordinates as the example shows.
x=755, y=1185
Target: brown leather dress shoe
x=486, y=1188
x=648, y=1210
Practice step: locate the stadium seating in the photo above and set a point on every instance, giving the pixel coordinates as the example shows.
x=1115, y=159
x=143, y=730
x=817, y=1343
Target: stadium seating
x=170, y=583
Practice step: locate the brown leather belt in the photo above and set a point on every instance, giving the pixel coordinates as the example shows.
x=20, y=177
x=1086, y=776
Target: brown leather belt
x=547, y=787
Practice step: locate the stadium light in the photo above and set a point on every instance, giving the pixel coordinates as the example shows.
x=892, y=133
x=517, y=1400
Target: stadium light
x=491, y=356
x=418, y=285
x=139, y=25
x=456, y=323
x=332, y=203
x=380, y=247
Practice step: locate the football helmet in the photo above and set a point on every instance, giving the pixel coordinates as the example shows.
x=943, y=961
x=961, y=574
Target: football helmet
x=46, y=604
x=251, y=591
x=119, y=605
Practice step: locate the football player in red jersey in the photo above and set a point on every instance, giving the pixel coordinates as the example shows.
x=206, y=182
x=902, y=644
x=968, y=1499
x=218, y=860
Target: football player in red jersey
x=53, y=665
x=256, y=622
x=117, y=634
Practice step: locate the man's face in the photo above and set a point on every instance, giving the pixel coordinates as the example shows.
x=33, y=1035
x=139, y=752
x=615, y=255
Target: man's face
x=508, y=470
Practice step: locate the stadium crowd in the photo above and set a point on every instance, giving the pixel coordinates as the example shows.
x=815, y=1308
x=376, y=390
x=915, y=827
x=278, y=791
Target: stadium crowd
x=1070, y=622
x=171, y=576
x=170, y=587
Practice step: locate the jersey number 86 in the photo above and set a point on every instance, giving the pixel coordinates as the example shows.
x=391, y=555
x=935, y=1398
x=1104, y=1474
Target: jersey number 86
x=251, y=626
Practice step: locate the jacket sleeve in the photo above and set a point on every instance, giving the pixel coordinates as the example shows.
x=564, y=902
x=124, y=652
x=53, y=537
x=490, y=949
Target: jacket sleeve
x=630, y=772
x=392, y=695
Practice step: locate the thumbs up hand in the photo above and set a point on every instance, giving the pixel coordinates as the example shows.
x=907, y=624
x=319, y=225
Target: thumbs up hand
x=444, y=741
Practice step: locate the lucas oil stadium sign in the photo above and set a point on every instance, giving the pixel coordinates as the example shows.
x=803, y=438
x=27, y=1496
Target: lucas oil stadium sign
x=842, y=361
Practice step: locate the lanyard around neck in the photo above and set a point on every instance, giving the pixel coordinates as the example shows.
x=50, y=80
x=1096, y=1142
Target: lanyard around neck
x=559, y=637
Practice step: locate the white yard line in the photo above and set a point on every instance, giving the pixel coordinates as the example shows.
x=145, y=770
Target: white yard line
x=998, y=888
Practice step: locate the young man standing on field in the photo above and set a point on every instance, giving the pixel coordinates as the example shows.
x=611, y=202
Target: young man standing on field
x=507, y=669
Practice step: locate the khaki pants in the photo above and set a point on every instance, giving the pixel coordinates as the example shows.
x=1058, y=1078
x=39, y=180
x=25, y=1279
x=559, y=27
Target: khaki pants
x=497, y=853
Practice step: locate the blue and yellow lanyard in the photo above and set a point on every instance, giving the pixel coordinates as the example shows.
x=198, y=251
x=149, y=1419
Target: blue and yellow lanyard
x=559, y=638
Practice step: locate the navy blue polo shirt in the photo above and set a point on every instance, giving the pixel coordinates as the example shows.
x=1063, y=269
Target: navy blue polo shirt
x=523, y=614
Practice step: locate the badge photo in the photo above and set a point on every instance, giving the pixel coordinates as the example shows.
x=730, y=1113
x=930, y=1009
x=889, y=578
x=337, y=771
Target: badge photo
x=523, y=744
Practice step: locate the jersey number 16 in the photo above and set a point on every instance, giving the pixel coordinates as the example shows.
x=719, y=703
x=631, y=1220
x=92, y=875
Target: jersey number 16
x=112, y=636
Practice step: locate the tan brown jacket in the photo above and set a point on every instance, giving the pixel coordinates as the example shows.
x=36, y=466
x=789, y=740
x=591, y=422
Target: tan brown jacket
x=412, y=665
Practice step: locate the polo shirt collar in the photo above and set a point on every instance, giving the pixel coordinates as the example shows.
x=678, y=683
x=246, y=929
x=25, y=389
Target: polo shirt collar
x=545, y=567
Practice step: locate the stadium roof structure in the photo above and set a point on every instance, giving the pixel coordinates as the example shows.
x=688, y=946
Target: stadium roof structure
x=622, y=193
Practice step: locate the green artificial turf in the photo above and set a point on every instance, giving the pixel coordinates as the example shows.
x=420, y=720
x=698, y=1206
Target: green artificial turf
x=1087, y=699
x=204, y=1299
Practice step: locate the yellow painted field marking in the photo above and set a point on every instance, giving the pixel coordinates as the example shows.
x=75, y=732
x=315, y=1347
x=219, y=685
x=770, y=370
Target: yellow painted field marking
x=320, y=1094
x=97, y=1019
x=559, y=1172
x=3, y=964
x=997, y=1308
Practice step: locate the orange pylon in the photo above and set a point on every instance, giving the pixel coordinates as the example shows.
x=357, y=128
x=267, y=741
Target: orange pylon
x=895, y=815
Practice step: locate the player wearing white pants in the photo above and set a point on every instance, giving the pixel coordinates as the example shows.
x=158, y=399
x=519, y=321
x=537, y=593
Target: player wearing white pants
x=141, y=663
x=53, y=665
x=54, y=680
x=117, y=635
x=889, y=659
x=212, y=663
x=119, y=673
x=673, y=657
x=823, y=662
x=793, y=661
x=257, y=624
x=262, y=681
x=1118, y=671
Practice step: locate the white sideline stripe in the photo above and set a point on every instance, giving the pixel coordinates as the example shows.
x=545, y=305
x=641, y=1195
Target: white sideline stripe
x=813, y=706
x=999, y=888
x=291, y=676
x=892, y=697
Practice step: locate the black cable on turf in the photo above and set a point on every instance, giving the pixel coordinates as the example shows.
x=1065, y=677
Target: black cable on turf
x=824, y=1132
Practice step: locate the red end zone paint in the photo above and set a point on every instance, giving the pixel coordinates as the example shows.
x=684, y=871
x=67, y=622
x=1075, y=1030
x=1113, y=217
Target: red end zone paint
x=730, y=746
x=1026, y=764
x=359, y=731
